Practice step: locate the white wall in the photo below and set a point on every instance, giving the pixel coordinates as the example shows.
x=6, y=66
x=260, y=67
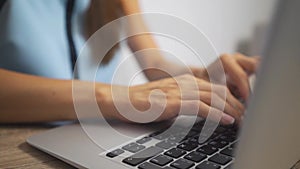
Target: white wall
x=225, y=22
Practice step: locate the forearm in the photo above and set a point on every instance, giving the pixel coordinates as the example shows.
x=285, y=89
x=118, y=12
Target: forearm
x=151, y=58
x=155, y=66
x=142, y=41
x=26, y=98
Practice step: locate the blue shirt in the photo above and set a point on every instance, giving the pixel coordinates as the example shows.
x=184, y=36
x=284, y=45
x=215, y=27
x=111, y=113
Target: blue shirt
x=33, y=38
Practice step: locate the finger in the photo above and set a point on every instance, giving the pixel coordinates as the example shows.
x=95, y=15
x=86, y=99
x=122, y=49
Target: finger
x=172, y=110
x=225, y=94
x=250, y=64
x=217, y=102
x=187, y=83
x=201, y=85
x=234, y=102
x=233, y=89
x=204, y=85
x=222, y=91
x=206, y=111
x=237, y=74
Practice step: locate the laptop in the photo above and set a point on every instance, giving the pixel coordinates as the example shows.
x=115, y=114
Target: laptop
x=269, y=137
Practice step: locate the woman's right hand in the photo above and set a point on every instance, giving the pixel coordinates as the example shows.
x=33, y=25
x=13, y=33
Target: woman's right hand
x=167, y=98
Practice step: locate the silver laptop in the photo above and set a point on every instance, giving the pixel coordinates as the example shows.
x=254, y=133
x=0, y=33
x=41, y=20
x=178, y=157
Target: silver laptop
x=268, y=139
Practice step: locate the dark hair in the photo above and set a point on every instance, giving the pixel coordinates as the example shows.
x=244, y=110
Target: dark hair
x=100, y=13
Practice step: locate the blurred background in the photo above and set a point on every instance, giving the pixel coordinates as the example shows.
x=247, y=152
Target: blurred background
x=231, y=25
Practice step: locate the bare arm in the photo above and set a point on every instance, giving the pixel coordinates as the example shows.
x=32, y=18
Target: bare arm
x=236, y=66
x=27, y=98
x=146, y=41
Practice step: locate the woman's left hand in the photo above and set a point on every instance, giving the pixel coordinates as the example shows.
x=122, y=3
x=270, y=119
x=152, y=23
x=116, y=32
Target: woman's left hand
x=237, y=68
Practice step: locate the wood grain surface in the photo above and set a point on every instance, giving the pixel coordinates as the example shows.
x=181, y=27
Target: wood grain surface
x=16, y=153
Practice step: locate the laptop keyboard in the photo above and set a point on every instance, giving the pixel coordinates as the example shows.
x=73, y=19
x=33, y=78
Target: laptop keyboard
x=177, y=150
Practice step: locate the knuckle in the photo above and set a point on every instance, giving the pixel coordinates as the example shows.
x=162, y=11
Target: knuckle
x=202, y=107
x=198, y=103
x=195, y=104
x=205, y=95
x=225, y=56
x=200, y=81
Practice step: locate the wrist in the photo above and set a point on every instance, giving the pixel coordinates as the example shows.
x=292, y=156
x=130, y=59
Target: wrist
x=106, y=101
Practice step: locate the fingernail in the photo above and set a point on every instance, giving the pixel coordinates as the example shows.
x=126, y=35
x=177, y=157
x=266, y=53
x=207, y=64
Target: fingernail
x=227, y=119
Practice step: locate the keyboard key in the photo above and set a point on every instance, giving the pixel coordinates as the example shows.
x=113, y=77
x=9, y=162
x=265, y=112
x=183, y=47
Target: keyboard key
x=142, y=155
x=213, y=136
x=175, y=152
x=207, y=149
x=193, y=140
x=197, y=127
x=199, y=123
x=220, y=129
x=147, y=165
x=182, y=164
x=165, y=144
x=208, y=165
x=177, y=138
x=232, y=130
x=228, y=151
x=133, y=147
x=161, y=160
x=144, y=140
x=175, y=129
x=115, y=153
x=188, y=146
x=220, y=159
x=230, y=126
x=218, y=143
x=205, y=137
x=187, y=134
x=167, y=167
x=161, y=135
x=191, y=133
x=195, y=156
x=228, y=137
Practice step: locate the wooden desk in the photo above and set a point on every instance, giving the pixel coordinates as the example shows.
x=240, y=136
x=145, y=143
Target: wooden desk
x=16, y=153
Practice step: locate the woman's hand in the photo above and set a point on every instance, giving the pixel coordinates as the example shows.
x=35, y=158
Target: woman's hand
x=237, y=68
x=167, y=98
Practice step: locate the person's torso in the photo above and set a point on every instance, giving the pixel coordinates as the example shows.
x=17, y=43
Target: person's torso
x=33, y=36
